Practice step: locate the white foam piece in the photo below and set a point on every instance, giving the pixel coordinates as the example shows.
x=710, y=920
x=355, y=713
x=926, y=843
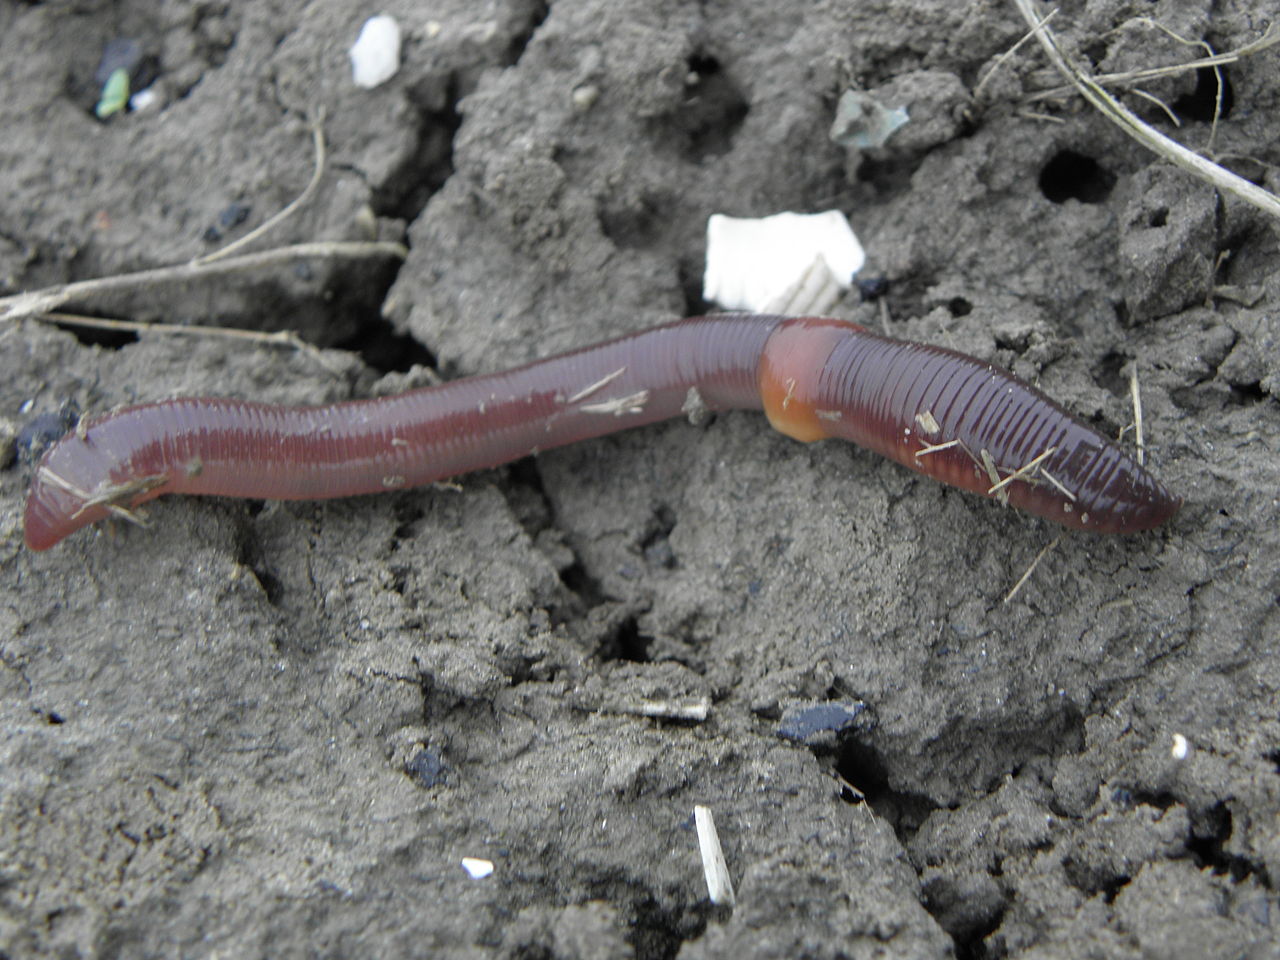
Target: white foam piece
x=375, y=56
x=753, y=263
x=815, y=293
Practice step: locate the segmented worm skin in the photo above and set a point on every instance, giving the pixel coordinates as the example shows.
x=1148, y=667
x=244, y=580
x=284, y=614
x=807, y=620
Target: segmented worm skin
x=814, y=378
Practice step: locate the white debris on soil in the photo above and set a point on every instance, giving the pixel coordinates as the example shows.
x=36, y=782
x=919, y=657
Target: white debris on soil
x=719, y=886
x=144, y=100
x=1180, y=747
x=770, y=263
x=375, y=56
x=477, y=869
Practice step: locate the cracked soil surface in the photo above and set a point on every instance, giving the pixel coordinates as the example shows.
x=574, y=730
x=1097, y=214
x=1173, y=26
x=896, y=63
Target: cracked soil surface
x=274, y=730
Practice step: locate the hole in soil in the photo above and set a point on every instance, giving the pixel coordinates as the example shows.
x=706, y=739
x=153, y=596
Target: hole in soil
x=1093, y=878
x=249, y=555
x=1247, y=394
x=626, y=642
x=407, y=516
x=1111, y=889
x=355, y=304
x=658, y=932
x=1095, y=51
x=1274, y=755
x=1129, y=799
x=399, y=578
x=583, y=585
x=1202, y=102
x=862, y=767
x=537, y=13
x=656, y=545
x=959, y=307
x=1074, y=176
x=1210, y=832
x=713, y=110
x=972, y=945
x=95, y=337
x=1109, y=374
x=887, y=177
x=691, y=287
x=637, y=224
x=386, y=350
x=1015, y=341
x=968, y=921
x=405, y=191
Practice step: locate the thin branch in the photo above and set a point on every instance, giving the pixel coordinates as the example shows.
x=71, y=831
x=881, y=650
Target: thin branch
x=1127, y=78
x=1006, y=57
x=317, y=139
x=1135, y=394
x=278, y=338
x=36, y=302
x=1217, y=73
x=1031, y=569
x=1167, y=110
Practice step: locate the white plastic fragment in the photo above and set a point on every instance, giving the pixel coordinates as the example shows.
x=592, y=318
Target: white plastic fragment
x=476, y=868
x=375, y=56
x=863, y=122
x=719, y=886
x=755, y=264
x=1180, y=747
x=143, y=100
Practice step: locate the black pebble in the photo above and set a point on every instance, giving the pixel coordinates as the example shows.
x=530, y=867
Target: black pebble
x=801, y=723
x=872, y=288
x=427, y=768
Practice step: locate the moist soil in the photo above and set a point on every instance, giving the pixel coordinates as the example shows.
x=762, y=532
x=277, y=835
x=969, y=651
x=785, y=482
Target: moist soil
x=275, y=730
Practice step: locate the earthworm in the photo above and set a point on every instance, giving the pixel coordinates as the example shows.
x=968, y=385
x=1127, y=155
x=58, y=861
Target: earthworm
x=942, y=413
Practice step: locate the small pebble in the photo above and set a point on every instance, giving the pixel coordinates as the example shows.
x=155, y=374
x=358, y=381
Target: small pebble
x=872, y=288
x=375, y=56
x=585, y=97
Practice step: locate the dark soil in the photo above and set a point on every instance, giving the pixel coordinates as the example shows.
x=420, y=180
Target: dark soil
x=274, y=730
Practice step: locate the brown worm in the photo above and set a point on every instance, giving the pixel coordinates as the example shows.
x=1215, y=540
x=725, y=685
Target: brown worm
x=936, y=411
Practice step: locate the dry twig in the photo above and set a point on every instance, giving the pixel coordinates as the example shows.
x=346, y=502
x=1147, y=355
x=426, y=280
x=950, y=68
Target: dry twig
x=35, y=302
x=41, y=304
x=1031, y=569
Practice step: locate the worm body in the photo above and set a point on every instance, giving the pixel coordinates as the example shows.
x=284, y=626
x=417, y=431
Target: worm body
x=936, y=411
